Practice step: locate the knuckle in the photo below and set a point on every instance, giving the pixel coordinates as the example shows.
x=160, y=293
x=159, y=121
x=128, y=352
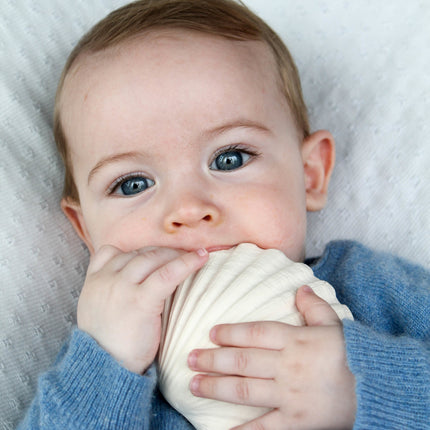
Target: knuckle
x=186, y=261
x=104, y=254
x=257, y=426
x=106, y=251
x=299, y=416
x=165, y=273
x=242, y=390
x=301, y=340
x=256, y=331
x=150, y=253
x=241, y=361
x=147, y=248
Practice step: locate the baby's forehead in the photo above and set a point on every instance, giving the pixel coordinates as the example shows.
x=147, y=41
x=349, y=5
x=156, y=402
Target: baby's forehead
x=258, y=52
x=159, y=65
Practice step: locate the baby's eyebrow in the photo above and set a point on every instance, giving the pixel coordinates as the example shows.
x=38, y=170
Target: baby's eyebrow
x=112, y=159
x=240, y=123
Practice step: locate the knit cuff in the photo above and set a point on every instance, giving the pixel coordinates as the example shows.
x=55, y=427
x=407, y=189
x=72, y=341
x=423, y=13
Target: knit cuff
x=90, y=388
x=392, y=379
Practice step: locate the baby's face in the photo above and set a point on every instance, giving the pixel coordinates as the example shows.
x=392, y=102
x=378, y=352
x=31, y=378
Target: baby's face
x=185, y=141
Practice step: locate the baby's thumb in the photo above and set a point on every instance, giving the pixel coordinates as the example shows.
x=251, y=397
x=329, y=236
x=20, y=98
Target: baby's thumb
x=315, y=310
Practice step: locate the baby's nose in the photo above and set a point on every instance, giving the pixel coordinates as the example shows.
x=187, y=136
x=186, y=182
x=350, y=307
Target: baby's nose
x=191, y=212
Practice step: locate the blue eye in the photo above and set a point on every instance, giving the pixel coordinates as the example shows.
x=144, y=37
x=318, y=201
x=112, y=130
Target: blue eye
x=230, y=160
x=132, y=185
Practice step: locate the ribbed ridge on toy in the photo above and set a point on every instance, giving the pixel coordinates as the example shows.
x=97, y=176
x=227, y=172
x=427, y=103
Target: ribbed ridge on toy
x=241, y=284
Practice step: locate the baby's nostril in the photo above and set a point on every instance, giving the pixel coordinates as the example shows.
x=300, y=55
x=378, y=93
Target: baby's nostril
x=177, y=224
x=207, y=218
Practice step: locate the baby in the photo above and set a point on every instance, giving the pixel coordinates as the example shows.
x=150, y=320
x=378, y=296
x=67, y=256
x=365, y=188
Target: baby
x=184, y=131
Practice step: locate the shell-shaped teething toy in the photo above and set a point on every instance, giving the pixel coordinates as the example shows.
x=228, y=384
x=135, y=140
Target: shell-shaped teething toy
x=241, y=284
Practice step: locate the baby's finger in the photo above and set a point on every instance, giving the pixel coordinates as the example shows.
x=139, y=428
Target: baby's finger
x=163, y=281
x=258, y=334
x=255, y=363
x=102, y=256
x=314, y=309
x=146, y=261
x=242, y=391
x=273, y=420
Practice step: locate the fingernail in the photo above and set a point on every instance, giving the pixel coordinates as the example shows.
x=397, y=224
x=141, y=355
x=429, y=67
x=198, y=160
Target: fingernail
x=201, y=252
x=307, y=289
x=194, y=385
x=192, y=360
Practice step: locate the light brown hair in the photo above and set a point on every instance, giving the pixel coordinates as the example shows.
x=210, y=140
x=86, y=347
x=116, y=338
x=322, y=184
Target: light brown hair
x=225, y=18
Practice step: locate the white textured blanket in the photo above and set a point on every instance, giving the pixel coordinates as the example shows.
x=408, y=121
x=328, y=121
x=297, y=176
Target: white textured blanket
x=365, y=72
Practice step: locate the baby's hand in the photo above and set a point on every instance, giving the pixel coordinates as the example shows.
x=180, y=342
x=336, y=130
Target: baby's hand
x=300, y=372
x=123, y=297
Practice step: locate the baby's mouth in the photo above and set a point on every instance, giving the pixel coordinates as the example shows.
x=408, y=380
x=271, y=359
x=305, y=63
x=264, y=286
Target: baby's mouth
x=212, y=248
x=219, y=248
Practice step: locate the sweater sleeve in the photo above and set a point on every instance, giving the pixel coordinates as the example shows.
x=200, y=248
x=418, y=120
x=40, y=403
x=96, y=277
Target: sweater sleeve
x=392, y=376
x=388, y=344
x=88, y=389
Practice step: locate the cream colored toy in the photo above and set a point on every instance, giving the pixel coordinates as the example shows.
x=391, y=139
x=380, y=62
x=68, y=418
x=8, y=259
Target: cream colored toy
x=242, y=284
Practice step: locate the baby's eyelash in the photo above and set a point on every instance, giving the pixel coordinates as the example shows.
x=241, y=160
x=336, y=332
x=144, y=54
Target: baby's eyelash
x=121, y=179
x=236, y=147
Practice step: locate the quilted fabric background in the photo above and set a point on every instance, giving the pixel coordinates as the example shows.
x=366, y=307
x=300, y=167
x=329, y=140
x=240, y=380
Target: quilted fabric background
x=364, y=68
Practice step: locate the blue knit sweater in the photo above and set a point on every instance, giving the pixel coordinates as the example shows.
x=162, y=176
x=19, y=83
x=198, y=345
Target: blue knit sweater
x=388, y=351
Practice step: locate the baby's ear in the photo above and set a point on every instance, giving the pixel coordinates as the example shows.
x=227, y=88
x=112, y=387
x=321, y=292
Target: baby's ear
x=318, y=154
x=73, y=212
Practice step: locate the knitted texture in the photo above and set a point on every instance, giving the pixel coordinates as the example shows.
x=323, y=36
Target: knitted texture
x=88, y=389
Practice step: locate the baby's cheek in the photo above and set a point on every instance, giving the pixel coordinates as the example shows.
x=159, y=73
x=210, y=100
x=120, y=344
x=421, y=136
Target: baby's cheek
x=288, y=236
x=127, y=235
x=290, y=226
x=278, y=221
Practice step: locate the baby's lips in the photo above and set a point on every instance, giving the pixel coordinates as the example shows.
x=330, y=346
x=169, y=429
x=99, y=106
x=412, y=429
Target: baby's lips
x=209, y=248
x=219, y=248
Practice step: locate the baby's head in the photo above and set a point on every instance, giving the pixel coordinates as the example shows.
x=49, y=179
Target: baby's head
x=182, y=124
